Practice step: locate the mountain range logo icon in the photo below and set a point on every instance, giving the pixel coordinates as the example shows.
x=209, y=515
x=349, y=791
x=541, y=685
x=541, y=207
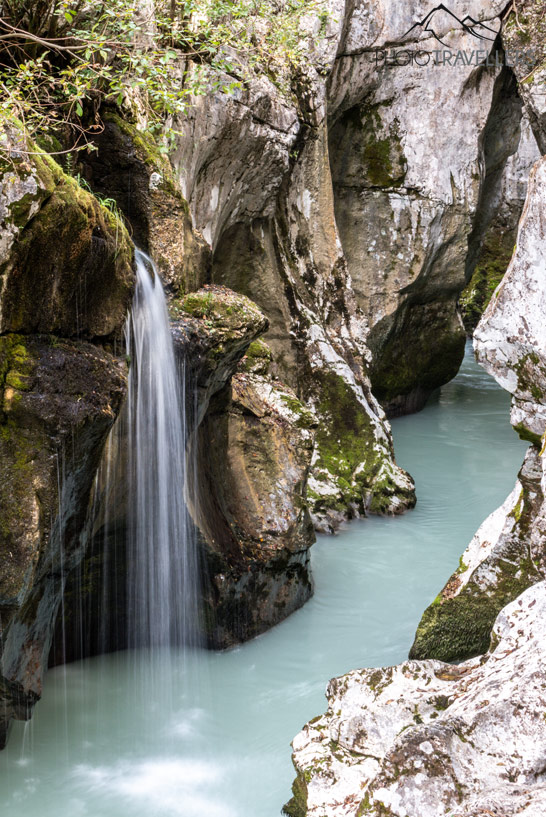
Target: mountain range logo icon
x=467, y=24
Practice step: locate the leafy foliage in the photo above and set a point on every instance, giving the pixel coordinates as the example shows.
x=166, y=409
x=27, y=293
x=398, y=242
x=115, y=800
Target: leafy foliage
x=61, y=60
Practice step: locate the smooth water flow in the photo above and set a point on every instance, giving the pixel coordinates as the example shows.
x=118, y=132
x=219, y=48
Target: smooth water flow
x=161, y=553
x=102, y=746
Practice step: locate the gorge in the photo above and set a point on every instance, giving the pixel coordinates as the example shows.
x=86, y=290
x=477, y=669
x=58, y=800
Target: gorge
x=222, y=750
x=321, y=231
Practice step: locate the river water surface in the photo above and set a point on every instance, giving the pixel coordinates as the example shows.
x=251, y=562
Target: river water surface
x=208, y=734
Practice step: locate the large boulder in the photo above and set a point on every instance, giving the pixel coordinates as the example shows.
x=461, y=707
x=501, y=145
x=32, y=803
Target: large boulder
x=429, y=739
x=255, y=448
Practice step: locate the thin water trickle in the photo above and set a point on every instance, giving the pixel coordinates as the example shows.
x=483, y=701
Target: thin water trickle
x=222, y=749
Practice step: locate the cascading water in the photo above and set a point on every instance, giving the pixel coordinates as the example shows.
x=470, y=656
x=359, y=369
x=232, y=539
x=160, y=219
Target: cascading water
x=161, y=552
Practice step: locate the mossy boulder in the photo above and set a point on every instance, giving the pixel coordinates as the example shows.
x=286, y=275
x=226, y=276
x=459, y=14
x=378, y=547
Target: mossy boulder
x=351, y=464
x=258, y=358
x=214, y=328
x=297, y=805
x=65, y=260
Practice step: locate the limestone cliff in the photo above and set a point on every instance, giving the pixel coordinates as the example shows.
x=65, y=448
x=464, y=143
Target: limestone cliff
x=430, y=738
x=508, y=553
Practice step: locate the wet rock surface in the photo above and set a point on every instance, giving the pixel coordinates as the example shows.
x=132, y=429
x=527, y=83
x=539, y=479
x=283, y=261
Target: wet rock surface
x=59, y=401
x=66, y=277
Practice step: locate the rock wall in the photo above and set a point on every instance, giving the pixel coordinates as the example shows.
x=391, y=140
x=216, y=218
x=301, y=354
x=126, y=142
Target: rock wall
x=430, y=738
x=255, y=171
x=496, y=234
x=417, y=152
x=252, y=448
x=343, y=206
x=66, y=278
x=508, y=553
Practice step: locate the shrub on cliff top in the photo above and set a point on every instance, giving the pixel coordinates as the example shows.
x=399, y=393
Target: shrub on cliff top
x=60, y=60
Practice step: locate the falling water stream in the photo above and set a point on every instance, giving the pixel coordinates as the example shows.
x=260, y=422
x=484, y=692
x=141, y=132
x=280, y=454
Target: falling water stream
x=162, y=577
x=108, y=740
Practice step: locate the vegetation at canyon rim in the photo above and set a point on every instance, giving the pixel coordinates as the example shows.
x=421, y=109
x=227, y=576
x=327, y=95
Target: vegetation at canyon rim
x=60, y=61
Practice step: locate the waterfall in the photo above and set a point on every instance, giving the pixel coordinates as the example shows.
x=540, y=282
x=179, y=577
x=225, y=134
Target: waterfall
x=161, y=553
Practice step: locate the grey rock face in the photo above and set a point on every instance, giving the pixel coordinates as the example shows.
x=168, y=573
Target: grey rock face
x=255, y=448
x=344, y=210
x=511, y=339
x=429, y=738
x=413, y=183
x=434, y=739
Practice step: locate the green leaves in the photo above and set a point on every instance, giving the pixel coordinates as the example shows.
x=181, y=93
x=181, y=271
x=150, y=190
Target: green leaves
x=188, y=48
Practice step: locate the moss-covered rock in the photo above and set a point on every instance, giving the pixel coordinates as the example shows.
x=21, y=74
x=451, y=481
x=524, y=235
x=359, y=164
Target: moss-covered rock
x=65, y=260
x=297, y=805
x=257, y=359
x=350, y=468
x=59, y=399
x=368, y=149
x=213, y=328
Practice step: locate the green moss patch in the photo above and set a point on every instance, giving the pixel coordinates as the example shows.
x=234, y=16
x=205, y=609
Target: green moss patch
x=492, y=264
x=348, y=454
